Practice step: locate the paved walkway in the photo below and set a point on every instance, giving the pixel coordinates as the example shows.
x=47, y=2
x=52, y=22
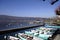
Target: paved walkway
x=57, y=37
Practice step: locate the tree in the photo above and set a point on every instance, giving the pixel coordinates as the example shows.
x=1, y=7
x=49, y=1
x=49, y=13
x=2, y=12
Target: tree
x=57, y=11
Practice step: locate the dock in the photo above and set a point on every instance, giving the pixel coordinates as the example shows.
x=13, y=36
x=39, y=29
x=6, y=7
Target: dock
x=10, y=29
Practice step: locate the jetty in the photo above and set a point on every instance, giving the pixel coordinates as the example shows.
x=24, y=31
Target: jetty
x=11, y=28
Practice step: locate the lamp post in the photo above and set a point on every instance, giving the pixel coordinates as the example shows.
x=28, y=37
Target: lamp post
x=43, y=0
x=54, y=1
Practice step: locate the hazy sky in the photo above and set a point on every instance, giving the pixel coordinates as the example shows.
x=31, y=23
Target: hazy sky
x=28, y=8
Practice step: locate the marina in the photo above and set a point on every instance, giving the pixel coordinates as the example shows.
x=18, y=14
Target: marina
x=37, y=33
x=14, y=28
x=29, y=19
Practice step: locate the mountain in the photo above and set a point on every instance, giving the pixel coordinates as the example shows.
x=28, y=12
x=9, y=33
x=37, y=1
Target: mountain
x=5, y=19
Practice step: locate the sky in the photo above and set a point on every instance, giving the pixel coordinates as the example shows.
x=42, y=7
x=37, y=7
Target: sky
x=28, y=8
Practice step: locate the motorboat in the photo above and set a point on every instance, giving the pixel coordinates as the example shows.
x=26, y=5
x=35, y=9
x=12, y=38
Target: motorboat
x=24, y=36
x=13, y=38
x=42, y=32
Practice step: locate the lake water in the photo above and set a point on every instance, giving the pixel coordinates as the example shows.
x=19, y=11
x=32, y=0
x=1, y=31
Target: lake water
x=13, y=33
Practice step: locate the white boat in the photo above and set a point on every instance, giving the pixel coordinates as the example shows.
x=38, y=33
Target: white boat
x=24, y=36
x=12, y=38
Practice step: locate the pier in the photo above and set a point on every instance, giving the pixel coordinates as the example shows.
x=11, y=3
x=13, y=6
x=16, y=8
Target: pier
x=12, y=29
